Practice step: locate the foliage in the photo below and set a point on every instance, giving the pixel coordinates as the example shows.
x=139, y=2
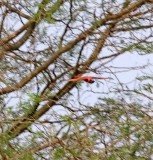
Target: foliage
x=45, y=43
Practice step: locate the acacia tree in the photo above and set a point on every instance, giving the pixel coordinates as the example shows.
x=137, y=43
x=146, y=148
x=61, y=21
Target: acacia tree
x=45, y=43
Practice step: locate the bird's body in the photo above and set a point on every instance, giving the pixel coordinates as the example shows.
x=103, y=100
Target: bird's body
x=88, y=79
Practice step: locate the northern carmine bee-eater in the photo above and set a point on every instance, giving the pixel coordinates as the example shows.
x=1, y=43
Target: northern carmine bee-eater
x=88, y=79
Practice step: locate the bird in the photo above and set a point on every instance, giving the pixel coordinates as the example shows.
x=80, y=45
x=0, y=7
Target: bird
x=88, y=79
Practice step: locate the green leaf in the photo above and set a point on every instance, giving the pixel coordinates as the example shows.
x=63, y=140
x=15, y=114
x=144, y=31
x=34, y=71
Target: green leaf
x=58, y=154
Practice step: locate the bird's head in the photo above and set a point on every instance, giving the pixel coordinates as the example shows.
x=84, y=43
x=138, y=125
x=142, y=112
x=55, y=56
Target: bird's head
x=91, y=81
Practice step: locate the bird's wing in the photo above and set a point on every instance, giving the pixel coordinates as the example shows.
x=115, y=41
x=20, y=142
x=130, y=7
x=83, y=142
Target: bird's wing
x=90, y=77
x=83, y=77
x=77, y=76
x=72, y=80
x=93, y=77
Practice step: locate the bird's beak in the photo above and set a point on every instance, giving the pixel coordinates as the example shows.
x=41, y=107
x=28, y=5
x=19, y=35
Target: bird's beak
x=91, y=81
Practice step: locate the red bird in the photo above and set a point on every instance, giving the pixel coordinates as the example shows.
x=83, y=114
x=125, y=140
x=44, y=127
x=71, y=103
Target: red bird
x=88, y=79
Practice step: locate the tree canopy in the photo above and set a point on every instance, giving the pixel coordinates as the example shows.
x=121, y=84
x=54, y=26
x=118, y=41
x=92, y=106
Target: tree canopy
x=43, y=44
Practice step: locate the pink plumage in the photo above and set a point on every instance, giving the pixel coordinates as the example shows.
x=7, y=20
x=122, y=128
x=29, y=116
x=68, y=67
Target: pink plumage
x=88, y=79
